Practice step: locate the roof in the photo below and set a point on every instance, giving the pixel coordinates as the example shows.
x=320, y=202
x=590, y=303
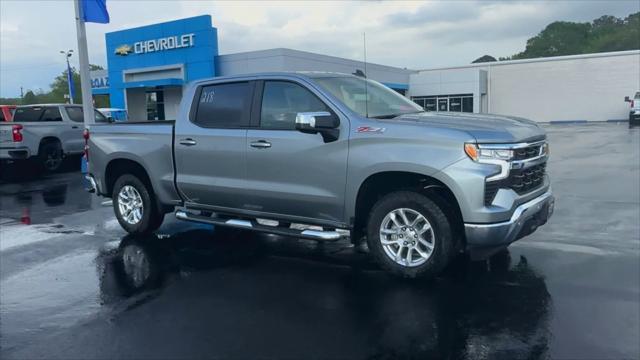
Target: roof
x=51, y=104
x=544, y=59
x=298, y=74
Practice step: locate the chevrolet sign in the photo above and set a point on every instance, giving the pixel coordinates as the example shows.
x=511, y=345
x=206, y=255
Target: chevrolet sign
x=162, y=44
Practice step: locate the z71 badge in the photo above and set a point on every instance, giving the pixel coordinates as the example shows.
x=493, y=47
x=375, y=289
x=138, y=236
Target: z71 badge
x=369, y=129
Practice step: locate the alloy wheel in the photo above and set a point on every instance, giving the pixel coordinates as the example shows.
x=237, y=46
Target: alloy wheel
x=407, y=237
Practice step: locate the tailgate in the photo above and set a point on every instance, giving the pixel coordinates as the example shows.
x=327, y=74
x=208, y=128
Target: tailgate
x=6, y=135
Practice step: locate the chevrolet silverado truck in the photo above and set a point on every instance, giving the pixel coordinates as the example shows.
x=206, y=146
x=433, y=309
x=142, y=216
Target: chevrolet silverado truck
x=323, y=156
x=46, y=133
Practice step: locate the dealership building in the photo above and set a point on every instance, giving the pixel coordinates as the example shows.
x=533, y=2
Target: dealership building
x=148, y=67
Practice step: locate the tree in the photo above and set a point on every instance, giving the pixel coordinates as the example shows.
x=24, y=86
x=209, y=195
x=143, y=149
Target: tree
x=60, y=86
x=484, y=59
x=29, y=98
x=606, y=33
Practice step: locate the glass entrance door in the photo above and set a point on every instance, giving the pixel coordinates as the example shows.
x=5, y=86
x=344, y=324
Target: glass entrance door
x=155, y=105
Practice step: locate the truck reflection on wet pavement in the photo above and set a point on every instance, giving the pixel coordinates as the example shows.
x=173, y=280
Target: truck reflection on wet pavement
x=470, y=312
x=74, y=285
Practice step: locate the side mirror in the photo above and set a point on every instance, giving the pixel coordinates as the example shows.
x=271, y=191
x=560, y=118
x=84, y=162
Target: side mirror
x=626, y=99
x=322, y=122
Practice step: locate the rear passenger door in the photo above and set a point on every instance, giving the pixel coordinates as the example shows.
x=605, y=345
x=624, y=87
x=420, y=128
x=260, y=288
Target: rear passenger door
x=72, y=140
x=290, y=173
x=210, y=145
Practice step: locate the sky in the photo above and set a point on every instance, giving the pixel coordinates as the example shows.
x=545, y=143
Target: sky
x=412, y=34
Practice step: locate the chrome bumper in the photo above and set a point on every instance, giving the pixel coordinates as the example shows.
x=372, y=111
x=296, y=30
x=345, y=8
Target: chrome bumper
x=525, y=220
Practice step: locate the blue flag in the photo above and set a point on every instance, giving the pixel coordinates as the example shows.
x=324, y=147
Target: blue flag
x=72, y=87
x=95, y=11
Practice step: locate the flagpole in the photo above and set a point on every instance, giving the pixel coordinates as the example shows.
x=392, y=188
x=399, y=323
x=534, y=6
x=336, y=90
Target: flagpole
x=83, y=55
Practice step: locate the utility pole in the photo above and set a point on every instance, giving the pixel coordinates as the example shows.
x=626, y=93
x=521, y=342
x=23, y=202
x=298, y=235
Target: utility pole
x=85, y=81
x=67, y=55
x=21, y=96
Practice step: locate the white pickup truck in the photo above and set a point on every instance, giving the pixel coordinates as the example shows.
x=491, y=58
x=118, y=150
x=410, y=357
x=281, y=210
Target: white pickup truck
x=634, y=111
x=46, y=133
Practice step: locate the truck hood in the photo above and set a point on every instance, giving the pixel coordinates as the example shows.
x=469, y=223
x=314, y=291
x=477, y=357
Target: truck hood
x=485, y=128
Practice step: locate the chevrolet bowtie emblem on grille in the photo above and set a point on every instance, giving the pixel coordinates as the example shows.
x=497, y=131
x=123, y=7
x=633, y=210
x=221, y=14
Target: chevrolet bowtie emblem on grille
x=123, y=50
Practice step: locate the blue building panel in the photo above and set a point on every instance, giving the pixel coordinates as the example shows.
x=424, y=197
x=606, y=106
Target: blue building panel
x=191, y=43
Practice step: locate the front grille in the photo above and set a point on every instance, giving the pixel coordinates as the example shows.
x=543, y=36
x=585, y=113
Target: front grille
x=521, y=181
x=525, y=180
x=526, y=152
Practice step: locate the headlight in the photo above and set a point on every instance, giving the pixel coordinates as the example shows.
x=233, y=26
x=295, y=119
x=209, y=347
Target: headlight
x=478, y=155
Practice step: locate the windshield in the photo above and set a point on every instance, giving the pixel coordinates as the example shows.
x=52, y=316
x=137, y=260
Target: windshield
x=373, y=100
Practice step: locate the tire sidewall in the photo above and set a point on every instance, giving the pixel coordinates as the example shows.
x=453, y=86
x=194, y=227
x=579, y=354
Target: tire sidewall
x=436, y=217
x=148, y=207
x=45, y=149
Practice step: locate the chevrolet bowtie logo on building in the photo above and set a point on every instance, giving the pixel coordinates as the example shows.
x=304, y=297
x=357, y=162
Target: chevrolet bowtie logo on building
x=124, y=50
x=162, y=44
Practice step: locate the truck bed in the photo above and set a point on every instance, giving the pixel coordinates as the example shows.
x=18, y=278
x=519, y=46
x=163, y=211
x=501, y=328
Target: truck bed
x=153, y=144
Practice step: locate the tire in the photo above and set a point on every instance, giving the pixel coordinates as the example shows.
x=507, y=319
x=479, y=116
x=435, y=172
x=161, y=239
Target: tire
x=50, y=156
x=148, y=218
x=437, y=233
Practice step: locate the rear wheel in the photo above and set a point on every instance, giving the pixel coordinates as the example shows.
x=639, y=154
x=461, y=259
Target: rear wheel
x=135, y=205
x=50, y=156
x=409, y=234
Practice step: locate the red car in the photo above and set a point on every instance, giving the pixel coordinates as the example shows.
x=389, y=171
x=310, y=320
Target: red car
x=6, y=112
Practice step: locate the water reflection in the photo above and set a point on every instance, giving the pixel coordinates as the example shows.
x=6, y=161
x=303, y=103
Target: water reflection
x=497, y=309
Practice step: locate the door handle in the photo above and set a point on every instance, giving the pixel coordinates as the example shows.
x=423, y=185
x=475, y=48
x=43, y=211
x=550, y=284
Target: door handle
x=188, y=142
x=74, y=127
x=261, y=144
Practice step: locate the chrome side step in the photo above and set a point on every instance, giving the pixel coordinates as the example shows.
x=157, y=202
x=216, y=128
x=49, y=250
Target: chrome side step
x=255, y=226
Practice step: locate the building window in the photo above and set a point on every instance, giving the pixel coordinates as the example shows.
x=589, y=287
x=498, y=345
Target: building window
x=155, y=105
x=453, y=103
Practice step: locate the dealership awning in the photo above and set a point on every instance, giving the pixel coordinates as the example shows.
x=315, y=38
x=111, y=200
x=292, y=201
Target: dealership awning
x=154, y=83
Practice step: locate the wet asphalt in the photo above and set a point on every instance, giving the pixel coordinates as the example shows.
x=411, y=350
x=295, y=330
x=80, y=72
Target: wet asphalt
x=74, y=285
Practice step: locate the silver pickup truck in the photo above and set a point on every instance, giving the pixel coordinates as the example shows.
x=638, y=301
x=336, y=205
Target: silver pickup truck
x=46, y=133
x=322, y=156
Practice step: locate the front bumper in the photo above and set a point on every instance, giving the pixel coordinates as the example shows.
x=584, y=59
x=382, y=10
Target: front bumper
x=525, y=220
x=15, y=153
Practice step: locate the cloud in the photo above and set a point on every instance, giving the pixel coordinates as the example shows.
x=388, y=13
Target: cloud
x=406, y=34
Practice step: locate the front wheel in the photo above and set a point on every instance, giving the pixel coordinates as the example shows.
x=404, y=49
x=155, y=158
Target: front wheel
x=135, y=205
x=409, y=234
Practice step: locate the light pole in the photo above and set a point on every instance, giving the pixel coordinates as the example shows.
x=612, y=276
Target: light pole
x=67, y=55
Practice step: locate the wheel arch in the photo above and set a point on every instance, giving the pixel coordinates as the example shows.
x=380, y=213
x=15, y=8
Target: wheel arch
x=121, y=166
x=381, y=183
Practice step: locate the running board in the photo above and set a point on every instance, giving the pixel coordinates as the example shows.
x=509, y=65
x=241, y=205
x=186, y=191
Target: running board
x=254, y=226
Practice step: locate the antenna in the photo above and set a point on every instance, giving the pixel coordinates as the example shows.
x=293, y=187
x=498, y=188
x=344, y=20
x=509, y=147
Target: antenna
x=366, y=85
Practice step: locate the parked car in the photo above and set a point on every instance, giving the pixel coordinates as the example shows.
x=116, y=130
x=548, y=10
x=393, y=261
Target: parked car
x=114, y=114
x=634, y=111
x=6, y=112
x=333, y=154
x=46, y=133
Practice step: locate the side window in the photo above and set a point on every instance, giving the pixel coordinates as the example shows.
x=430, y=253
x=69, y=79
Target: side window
x=52, y=114
x=75, y=114
x=224, y=105
x=282, y=101
x=1, y=115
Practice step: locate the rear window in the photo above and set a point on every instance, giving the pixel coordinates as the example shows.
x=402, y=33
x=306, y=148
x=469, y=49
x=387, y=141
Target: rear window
x=224, y=105
x=75, y=114
x=28, y=114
